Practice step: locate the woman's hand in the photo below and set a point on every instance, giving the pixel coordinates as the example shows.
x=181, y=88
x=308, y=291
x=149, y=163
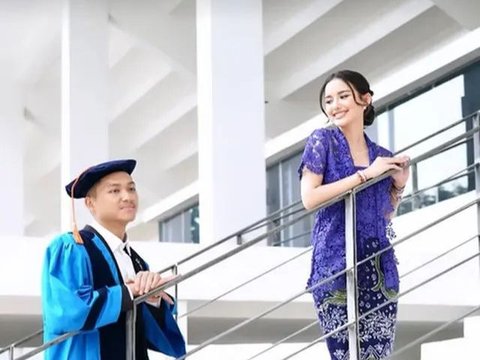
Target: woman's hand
x=384, y=164
x=400, y=177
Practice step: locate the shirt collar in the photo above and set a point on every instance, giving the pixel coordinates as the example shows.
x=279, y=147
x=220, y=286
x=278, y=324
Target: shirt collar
x=112, y=240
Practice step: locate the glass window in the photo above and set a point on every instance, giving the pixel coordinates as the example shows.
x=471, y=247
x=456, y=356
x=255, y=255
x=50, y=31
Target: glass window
x=283, y=189
x=183, y=227
x=412, y=120
x=427, y=113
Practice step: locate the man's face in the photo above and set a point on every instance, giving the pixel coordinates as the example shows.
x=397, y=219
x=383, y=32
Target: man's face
x=113, y=199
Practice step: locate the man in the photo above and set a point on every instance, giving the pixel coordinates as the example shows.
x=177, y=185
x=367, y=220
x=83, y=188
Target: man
x=90, y=277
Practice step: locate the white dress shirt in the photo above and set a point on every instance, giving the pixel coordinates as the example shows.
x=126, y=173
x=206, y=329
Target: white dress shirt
x=117, y=247
x=123, y=259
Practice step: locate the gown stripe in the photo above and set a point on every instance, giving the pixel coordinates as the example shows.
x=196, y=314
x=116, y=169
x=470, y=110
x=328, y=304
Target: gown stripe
x=91, y=321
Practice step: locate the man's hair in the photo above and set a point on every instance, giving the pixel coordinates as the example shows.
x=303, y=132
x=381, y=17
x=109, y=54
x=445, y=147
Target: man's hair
x=93, y=191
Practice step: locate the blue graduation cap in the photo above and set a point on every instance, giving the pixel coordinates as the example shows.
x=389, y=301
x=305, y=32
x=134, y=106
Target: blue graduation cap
x=80, y=186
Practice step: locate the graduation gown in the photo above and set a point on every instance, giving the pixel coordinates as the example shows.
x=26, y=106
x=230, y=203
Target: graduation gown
x=82, y=290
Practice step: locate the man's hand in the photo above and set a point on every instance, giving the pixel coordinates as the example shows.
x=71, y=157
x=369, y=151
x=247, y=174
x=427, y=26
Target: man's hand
x=146, y=281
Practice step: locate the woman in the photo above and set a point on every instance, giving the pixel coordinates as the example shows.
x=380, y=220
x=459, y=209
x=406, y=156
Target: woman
x=336, y=159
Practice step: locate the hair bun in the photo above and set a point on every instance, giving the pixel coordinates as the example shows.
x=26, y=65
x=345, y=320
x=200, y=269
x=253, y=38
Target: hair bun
x=369, y=115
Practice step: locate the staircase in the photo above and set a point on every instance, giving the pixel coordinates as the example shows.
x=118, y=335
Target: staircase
x=467, y=347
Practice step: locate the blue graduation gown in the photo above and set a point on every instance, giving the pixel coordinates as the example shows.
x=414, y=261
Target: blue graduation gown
x=82, y=289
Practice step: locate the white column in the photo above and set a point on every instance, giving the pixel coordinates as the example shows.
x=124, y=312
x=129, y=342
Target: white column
x=84, y=93
x=11, y=157
x=231, y=126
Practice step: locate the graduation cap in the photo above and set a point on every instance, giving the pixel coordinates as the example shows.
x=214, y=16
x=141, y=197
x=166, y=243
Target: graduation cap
x=81, y=185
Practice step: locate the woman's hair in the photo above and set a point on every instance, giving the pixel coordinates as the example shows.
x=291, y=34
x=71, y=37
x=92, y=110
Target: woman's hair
x=360, y=84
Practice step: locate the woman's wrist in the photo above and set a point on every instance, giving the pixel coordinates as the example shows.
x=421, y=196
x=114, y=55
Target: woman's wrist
x=366, y=172
x=398, y=187
x=361, y=174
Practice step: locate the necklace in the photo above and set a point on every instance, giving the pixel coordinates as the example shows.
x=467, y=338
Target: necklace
x=359, y=152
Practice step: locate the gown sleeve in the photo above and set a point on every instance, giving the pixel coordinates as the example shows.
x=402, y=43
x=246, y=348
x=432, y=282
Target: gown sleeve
x=161, y=328
x=314, y=157
x=162, y=331
x=69, y=301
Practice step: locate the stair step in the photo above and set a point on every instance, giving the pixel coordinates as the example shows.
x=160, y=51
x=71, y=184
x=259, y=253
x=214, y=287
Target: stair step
x=471, y=327
x=461, y=348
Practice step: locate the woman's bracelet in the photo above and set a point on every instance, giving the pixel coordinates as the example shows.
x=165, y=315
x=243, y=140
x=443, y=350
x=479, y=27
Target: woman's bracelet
x=398, y=190
x=362, y=176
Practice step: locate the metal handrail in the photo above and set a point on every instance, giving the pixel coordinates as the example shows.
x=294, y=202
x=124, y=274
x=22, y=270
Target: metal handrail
x=434, y=331
x=340, y=197
x=246, y=282
x=443, y=254
x=428, y=154
x=423, y=228
x=281, y=216
x=449, y=178
x=457, y=175
x=255, y=226
x=314, y=323
x=286, y=338
x=294, y=237
x=45, y=346
x=234, y=251
x=306, y=213
x=205, y=304
x=428, y=137
x=328, y=279
x=393, y=299
x=21, y=341
x=440, y=131
x=274, y=214
x=454, y=146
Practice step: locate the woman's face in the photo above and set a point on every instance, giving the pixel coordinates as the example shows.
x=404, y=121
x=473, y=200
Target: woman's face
x=340, y=105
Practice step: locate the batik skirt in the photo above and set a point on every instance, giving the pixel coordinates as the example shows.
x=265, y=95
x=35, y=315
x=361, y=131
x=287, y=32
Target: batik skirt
x=376, y=330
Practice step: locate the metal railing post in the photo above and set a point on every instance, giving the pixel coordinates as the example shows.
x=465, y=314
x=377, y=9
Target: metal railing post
x=476, y=156
x=416, y=202
x=11, y=352
x=351, y=261
x=175, y=293
x=130, y=333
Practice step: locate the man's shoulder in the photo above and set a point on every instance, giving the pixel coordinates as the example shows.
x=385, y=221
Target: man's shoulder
x=63, y=239
x=64, y=250
x=66, y=240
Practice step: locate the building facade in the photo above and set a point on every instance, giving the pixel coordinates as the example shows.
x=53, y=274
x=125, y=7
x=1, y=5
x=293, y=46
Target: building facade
x=215, y=99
